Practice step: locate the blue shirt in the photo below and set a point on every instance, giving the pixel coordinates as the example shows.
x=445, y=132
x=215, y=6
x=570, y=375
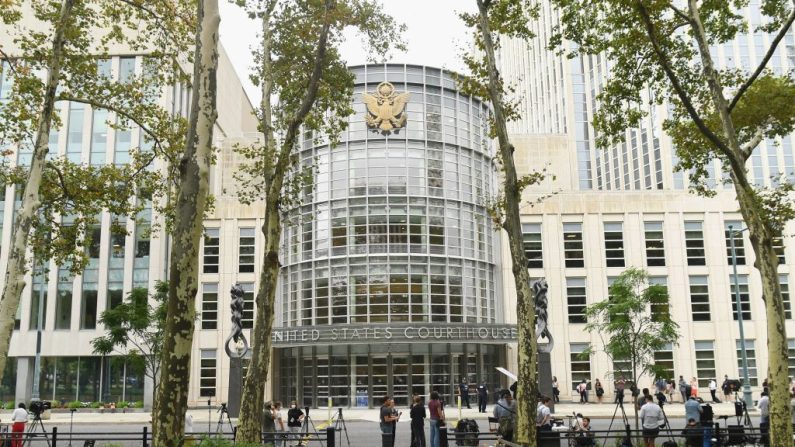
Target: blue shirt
x=692, y=410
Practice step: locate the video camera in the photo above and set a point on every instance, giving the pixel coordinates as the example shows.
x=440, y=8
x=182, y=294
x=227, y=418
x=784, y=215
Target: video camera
x=39, y=406
x=734, y=384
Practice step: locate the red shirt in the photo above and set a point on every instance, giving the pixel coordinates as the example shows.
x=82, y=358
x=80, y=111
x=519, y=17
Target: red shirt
x=433, y=408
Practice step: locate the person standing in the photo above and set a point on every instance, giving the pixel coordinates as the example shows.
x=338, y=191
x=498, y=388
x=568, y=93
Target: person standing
x=713, y=388
x=278, y=418
x=544, y=415
x=555, y=390
x=694, y=387
x=693, y=409
x=505, y=413
x=18, y=420
x=652, y=418
x=693, y=433
x=684, y=389
x=600, y=390
x=583, y=431
x=436, y=417
x=388, y=418
x=269, y=424
x=620, y=384
x=582, y=388
x=764, y=409
x=463, y=391
x=295, y=418
x=417, y=414
x=483, y=396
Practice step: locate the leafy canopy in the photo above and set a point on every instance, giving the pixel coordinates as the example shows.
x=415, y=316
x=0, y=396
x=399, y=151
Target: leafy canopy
x=634, y=322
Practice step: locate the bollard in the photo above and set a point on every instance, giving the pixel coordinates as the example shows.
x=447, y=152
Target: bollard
x=55, y=437
x=146, y=433
x=330, y=441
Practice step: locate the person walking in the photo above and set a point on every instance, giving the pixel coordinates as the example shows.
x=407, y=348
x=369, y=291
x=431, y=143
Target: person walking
x=483, y=396
x=463, y=391
x=713, y=388
x=600, y=390
x=652, y=418
x=388, y=418
x=18, y=420
x=418, y=415
x=436, y=417
x=295, y=419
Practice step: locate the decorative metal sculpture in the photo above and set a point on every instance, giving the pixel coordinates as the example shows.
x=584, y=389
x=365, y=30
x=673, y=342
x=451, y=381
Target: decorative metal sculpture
x=386, y=108
x=237, y=324
x=541, y=303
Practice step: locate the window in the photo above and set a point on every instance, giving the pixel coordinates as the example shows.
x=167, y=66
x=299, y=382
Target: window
x=745, y=300
x=660, y=311
x=778, y=247
x=38, y=296
x=739, y=245
x=705, y=361
x=614, y=244
x=74, y=142
x=575, y=296
x=531, y=240
x=580, y=364
x=117, y=249
x=246, y=256
x=211, y=250
x=664, y=359
x=572, y=245
x=784, y=284
x=207, y=373
x=694, y=244
x=142, y=246
x=699, y=298
x=750, y=353
x=655, y=244
x=248, y=305
x=791, y=356
x=209, y=313
x=99, y=137
x=88, y=300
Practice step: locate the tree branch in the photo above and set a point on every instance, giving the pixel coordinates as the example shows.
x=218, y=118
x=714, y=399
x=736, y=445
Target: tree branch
x=677, y=85
x=773, y=45
x=11, y=62
x=748, y=148
x=685, y=16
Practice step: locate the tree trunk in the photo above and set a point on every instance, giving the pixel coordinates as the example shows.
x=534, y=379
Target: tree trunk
x=760, y=231
x=17, y=257
x=168, y=423
x=527, y=389
x=254, y=386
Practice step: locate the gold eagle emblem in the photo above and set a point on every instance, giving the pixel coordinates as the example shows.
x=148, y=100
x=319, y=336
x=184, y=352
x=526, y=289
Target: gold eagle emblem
x=386, y=108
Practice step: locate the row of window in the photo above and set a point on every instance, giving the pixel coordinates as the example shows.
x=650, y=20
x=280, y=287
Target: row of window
x=654, y=244
x=700, y=305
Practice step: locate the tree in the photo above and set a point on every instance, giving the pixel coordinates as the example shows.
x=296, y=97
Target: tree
x=508, y=18
x=315, y=97
x=660, y=53
x=168, y=421
x=135, y=330
x=633, y=323
x=62, y=199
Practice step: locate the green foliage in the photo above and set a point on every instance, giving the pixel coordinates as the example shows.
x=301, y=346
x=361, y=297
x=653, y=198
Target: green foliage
x=137, y=404
x=122, y=404
x=634, y=322
x=9, y=405
x=95, y=405
x=73, y=195
x=135, y=329
x=76, y=404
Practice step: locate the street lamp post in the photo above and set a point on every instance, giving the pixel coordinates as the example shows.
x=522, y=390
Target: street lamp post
x=39, y=322
x=747, y=397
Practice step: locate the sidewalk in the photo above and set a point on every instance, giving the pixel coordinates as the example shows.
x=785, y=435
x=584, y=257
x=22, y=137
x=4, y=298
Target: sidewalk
x=200, y=416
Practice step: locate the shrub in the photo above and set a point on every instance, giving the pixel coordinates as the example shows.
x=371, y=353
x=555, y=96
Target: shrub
x=74, y=404
x=122, y=404
x=95, y=405
x=9, y=405
x=138, y=404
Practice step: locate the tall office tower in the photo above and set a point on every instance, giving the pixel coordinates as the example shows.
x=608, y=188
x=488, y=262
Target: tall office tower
x=625, y=206
x=117, y=263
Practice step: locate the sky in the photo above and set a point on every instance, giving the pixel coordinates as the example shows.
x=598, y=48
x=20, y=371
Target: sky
x=434, y=36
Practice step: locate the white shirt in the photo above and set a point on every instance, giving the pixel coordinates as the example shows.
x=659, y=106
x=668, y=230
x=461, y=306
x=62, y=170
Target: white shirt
x=764, y=406
x=543, y=415
x=19, y=415
x=713, y=385
x=651, y=415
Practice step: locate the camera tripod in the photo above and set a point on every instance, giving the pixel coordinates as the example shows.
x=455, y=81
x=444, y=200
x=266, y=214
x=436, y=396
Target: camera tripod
x=30, y=433
x=303, y=439
x=628, y=439
x=742, y=417
x=223, y=411
x=339, y=426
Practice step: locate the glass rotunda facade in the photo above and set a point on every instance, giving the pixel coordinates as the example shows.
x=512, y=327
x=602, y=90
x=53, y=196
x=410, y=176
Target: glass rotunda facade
x=390, y=280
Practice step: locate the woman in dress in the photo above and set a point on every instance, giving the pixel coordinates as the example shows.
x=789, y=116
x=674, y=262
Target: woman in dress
x=693, y=387
x=600, y=390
